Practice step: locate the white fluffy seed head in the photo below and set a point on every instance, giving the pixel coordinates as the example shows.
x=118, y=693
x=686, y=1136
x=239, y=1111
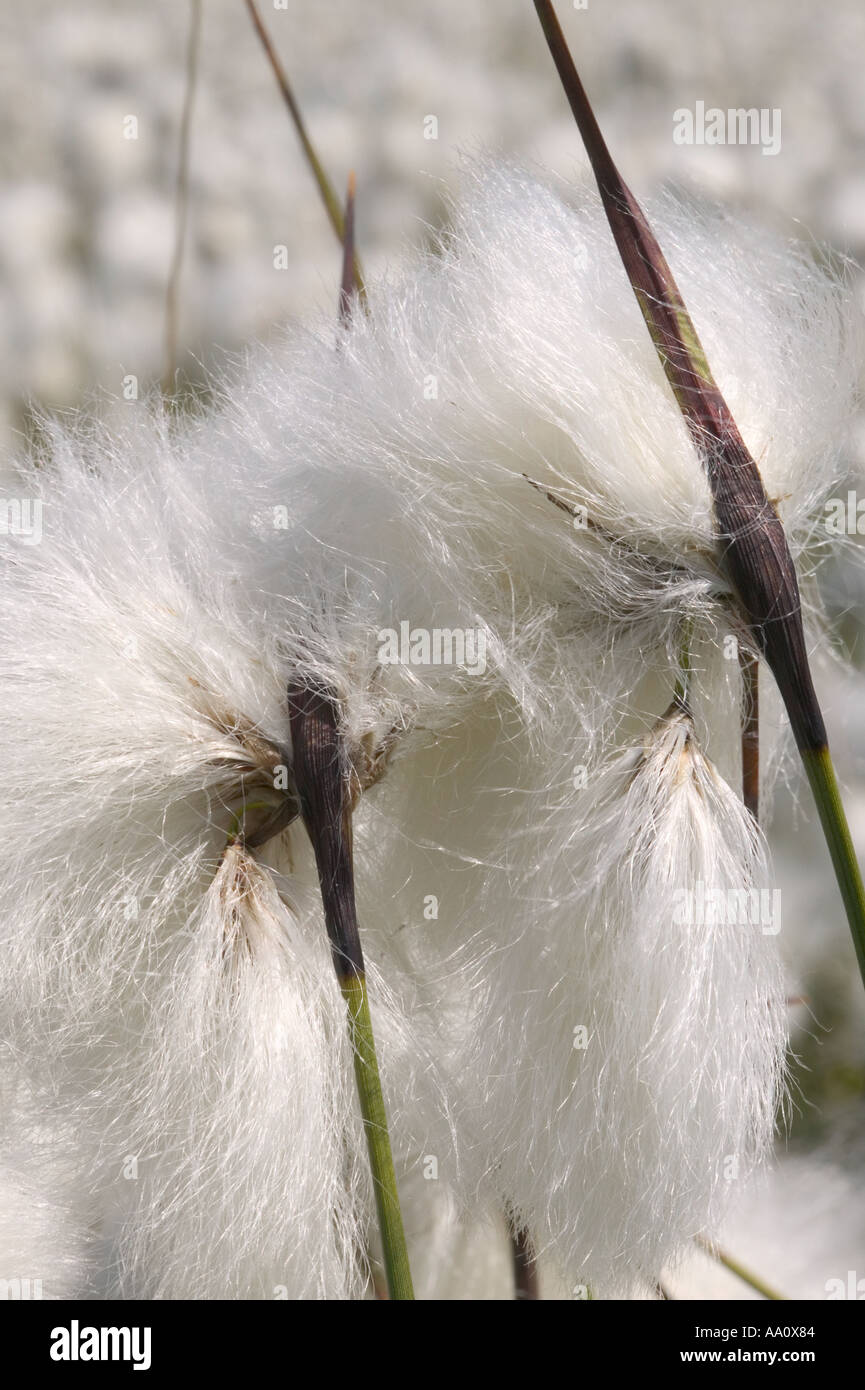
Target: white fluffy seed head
x=249, y=1149
x=50, y=1245
x=627, y=1049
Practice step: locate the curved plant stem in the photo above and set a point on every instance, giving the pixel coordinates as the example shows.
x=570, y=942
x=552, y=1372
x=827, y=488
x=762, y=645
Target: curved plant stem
x=824, y=785
x=325, y=187
x=321, y=778
x=753, y=553
x=741, y=1272
x=172, y=291
x=374, y=1115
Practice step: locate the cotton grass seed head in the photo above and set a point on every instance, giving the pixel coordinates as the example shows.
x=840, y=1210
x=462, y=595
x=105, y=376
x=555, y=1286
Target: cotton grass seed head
x=629, y=1025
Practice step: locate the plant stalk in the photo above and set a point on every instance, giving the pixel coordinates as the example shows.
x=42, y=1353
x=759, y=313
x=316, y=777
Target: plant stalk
x=325, y=187
x=741, y=1271
x=374, y=1115
x=830, y=808
x=753, y=552
x=321, y=777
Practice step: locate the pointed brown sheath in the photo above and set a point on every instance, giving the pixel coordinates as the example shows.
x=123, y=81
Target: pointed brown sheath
x=753, y=545
x=321, y=779
x=348, y=288
x=524, y=1262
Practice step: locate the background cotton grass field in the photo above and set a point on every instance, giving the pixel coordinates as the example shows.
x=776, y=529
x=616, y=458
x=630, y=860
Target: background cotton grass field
x=88, y=219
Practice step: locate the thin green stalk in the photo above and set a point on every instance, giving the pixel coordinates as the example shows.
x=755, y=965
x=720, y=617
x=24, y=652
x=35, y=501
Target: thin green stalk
x=827, y=794
x=352, y=982
x=374, y=1115
x=321, y=777
x=741, y=1271
x=326, y=189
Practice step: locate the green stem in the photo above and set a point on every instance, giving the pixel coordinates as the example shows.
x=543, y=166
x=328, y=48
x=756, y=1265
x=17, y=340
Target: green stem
x=827, y=794
x=683, y=679
x=741, y=1272
x=378, y=1143
x=321, y=780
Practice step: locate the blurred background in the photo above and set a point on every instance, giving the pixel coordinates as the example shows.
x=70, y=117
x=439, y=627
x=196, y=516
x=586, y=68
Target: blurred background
x=91, y=101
